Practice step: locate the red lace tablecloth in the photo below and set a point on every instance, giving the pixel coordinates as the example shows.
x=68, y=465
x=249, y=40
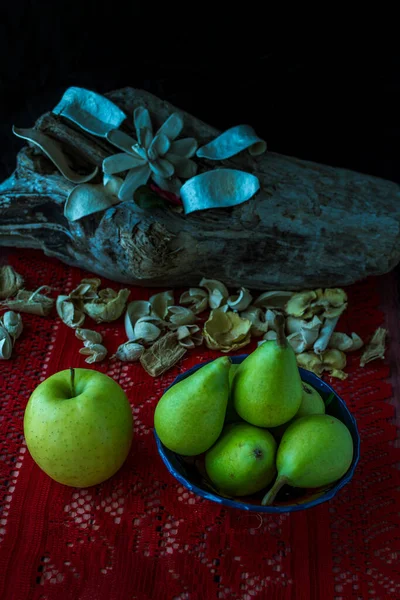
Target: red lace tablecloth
x=142, y=536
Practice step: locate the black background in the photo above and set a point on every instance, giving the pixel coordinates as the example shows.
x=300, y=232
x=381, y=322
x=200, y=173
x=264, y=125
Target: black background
x=327, y=96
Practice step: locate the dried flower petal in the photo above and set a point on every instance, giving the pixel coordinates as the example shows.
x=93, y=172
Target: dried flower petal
x=241, y=300
x=134, y=311
x=10, y=282
x=179, y=315
x=161, y=302
x=105, y=309
x=357, y=342
x=217, y=292
x=196, y=298
x=88, y=335
x=273, y=299
x=130, y=351
x=94, y=352
x=375, y=348
x=12, y=323
x=270, y=335
x=297, y=342
x=5, y=344
x=311, y=362
x=33, y=303
x=333, y=361
x=299, y=303
x=257, y=317
x=86, y=290
x=335, y=296
x=162, y=355
x=226, y=331
x=69, y=313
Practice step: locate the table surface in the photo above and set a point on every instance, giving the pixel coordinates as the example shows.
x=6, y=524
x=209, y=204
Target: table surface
x=141, y=535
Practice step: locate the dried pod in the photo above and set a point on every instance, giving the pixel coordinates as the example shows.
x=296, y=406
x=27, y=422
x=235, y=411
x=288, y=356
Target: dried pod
x=226, y=331
x=340, y=341
x=300, y=303
x=88, y=335
x=189, y=336
x=69, y=313
x=134, y=311
x=325, y=335
x=108, y=307
x=257, y=318
x=162, y=355
x=130, y=351
x=6, y=344
x=161, y=302
x=33, y=303
x=311, y=362
x=333, y=361
x=241, y=300
x=12, y=323
x=196, y=299
x=146, y=331
x=10, y=282
x=179, y=315
x=375, y=348
x=217, y=292
x=273, y=299
x=94, y=352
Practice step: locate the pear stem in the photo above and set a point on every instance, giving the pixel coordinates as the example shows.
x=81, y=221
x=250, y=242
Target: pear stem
x=72, y=371
x=271, y=495
x=280, y=331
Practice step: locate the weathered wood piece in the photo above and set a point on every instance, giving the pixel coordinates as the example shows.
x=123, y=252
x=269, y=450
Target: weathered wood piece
x=310, y=225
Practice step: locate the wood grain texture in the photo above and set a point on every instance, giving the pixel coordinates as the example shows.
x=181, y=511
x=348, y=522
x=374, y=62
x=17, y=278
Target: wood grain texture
x=310, y=225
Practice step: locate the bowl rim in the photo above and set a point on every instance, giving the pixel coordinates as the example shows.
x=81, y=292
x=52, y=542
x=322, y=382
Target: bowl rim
x=306, y=376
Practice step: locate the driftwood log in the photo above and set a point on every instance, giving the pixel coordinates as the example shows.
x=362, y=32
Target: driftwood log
x=310, y=225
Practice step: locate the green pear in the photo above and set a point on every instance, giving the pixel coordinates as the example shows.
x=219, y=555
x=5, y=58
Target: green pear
x=242, y=461
x=231, y=414
x=190, y=415
x=311, y=404
x=267, y=386
x=316, y=450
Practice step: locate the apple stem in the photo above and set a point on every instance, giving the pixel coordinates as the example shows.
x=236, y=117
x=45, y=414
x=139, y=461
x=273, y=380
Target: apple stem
x=72, y=371
x=280, y=331
x=270, y=496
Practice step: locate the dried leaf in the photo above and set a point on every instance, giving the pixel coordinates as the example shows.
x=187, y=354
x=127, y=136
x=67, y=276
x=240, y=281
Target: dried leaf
x=257, y=317
x=241, y=300
x=88, y=335
x=179, y=315
x=134, y=311
x=217, y=292
x=12, y=323
x=130, y=351
x=69, y=313
x=226, y=331
x=104, y=310
x=94, y=352
x=162, y=355
x=5, y=344
x=196, y=299
x=55, y=152
x=273, y=299
x=33, y=303
x=10, y=282
x=375, y=348
x=161, y=302
x=299, y=303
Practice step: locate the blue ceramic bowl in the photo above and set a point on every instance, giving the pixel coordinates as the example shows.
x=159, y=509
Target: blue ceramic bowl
x=189, y=471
